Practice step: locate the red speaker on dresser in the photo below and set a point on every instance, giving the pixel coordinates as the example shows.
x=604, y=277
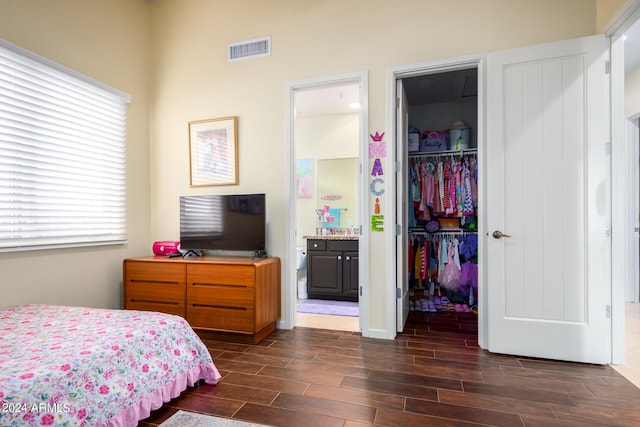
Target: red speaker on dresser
x=166, y=248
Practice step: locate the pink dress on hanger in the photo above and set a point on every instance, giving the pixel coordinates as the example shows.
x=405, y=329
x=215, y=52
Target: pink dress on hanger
x=426, y=190
x=446, y=200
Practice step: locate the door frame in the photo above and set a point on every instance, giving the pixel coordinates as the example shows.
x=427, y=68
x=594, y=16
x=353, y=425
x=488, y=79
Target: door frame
x=632, y=293
x=288, y=318
x=623, y=263
x=392, y=267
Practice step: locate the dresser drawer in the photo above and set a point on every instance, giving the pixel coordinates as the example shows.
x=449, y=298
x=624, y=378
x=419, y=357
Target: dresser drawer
x=215, y=317
x=162, y=297
x=152, y=287
x=224, y=274
x=154, y=272
x=238, y=296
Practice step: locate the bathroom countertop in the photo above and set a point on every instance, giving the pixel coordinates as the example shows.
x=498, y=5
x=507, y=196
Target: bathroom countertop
x=334, y=237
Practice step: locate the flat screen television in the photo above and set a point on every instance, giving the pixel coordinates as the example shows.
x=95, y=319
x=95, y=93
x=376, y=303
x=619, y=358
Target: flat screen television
x=234, y=222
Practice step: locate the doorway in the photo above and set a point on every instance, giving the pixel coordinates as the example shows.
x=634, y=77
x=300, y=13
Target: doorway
x=437, y=132
x=327, y=132
x=500, y=210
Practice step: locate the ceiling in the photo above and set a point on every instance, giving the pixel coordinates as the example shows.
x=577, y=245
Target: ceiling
x=326, y=100
x=441, y=87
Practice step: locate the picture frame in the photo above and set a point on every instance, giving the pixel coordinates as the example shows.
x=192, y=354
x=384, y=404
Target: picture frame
x=213, y=152
x=303, y=178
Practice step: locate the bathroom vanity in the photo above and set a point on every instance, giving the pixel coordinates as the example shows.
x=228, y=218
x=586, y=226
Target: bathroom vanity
x=332, y=267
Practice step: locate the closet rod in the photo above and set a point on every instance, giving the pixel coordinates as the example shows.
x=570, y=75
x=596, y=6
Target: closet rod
x=419, y=155
x=449, y=233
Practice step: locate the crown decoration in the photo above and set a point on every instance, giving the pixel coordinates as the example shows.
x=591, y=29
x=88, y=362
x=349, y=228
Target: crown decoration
x=377, y=137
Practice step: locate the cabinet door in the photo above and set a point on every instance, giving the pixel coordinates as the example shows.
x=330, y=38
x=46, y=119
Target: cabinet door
x=325, y=273
x=350, y=275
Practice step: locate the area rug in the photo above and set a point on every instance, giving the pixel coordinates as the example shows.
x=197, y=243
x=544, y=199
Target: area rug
x=192, y=419
x=335, y=308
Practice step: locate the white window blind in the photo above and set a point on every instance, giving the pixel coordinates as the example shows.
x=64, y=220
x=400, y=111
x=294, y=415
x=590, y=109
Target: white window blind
x=62, y=156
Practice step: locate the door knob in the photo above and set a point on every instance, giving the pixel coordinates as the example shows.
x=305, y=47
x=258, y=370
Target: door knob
x=498, y=234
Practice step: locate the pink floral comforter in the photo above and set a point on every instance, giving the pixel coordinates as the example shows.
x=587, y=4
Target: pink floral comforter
x=75, y=366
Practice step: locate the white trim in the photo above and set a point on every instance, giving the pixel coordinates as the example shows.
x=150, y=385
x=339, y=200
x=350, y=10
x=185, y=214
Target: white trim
x=379, y=334
x=622, y=262
x=290, y=290
x=625, y=18
x=287, y=320
x=412, y=70
x=632, y=293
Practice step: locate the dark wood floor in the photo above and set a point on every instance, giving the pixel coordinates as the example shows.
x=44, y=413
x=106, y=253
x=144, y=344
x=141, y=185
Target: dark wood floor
x=433, y=374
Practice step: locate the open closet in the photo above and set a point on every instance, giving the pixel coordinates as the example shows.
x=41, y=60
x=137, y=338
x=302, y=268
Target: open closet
x=441, y=191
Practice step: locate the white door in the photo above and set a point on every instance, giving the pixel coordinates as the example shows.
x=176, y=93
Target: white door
x=548, y=188
x=402, y=281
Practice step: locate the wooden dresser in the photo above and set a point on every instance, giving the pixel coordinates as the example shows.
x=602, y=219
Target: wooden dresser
x=229, y=298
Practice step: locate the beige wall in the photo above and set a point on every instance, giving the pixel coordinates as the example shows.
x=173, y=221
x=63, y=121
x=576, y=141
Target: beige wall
x=190, y=79
x=310, y=39
x=607, y=11
x=108, y=41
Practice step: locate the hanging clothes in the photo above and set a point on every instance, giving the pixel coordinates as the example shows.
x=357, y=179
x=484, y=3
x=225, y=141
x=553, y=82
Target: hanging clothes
x=418, y=266
x=441, y=186
x=430, y=256
x=413, y=190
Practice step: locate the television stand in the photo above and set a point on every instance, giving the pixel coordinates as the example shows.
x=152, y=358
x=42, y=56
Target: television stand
x=223, y=298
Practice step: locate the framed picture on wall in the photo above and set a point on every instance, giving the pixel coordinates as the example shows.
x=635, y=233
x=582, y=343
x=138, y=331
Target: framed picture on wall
x=303, y=178
x=213, y=151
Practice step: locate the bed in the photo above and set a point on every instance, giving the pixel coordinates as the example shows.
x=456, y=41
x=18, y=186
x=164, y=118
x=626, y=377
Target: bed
x=76, y=366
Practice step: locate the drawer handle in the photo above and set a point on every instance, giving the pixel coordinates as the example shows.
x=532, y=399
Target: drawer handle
x=154, y=282
x=348, y=258
x=153, y=302
x=315, y=245
x=223, y=307
x=339, y=257
x=220, y=285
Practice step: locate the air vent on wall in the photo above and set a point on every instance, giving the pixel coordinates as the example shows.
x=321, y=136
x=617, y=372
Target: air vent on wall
x=254, y=48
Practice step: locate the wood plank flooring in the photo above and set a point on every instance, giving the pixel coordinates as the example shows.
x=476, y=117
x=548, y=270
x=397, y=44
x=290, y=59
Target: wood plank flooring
x=433, y=374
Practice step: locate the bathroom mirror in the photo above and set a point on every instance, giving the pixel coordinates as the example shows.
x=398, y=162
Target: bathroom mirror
x=338, y=189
